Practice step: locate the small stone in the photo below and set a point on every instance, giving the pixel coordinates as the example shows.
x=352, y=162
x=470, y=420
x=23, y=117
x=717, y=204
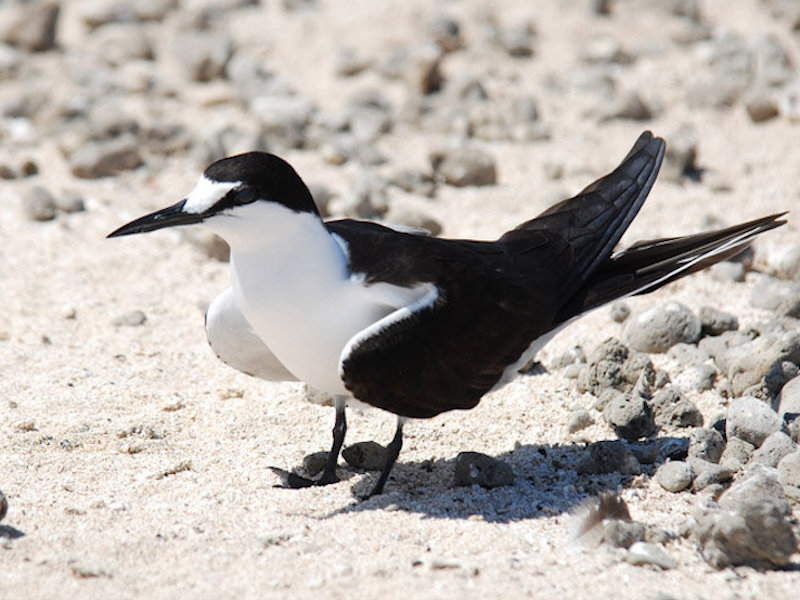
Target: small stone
x=465, y=167
x=645, y=553
x=619, y=311
x=727, y=271
x=725, y=76
x=782, y=297
x=70, y=202
x=350, y=63
x=784, y=261
x=751, y=420
x=366, y=456
x=315, y=462
x=736, y=454
x=613, y=365
x=39, y=204
x=707, y=474
x=714, y=321
x=608, y=457
x=749, y=363
x=675, y=476
x=620, y=533
x=698, y=378
x=518, y=40
x=706, y=444
x=3, y=505
x=681, y=155
x=446, y=32
x=774, y=448
x=422, y=69
x=578, y=420
x=284, y=118
x=103, y=158
x=673, y=410
x=661, y=327
x=756, y=534
x=134, y=318
x=629, y=106
x=32, y=26
x=630, y=417
x=789, y=401
x=475, y=468
x=203, y=54
x=688, y=354
x=761, y=106
x=367, y=198
x=789, y=475
x=574, y=355
x=759, y=484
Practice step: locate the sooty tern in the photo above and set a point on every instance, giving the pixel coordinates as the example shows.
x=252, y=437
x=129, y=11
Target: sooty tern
x=411, y=324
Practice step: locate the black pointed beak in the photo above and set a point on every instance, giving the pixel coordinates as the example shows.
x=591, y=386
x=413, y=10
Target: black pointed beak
x=166, y=217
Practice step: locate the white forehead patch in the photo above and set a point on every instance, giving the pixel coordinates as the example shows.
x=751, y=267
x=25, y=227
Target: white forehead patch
x=207, y=193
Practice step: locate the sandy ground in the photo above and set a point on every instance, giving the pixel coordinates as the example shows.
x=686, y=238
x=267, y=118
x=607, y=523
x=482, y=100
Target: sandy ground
x=137, y=465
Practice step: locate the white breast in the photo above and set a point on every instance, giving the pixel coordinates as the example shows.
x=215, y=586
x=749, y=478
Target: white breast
x=291, y=283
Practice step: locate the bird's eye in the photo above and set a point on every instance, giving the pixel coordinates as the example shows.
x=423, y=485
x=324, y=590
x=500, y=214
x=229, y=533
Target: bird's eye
x=245, y=196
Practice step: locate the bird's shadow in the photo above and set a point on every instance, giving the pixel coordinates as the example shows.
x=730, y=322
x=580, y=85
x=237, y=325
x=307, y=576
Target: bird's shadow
x=550, y=479
x=12, y=533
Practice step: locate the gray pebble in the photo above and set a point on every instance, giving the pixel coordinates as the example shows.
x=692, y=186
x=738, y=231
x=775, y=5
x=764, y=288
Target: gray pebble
x=315, y=462
x=661, y=327
x=675, y=476
x=574, y=355
x=707, y=444
x=284, y=118
x=751, y=420
x=714, y=321
x=784, y=261
x=782, y=297
x=579, y=420
x=688, y=354
x=736, y=454
x=203, y=54
x=774, y=448
x=518, y=39
x=789, y=475
x=673, y=410
x=613, y=365
x=367, y=456
x=31, y=26
x=608, y=457
x=131, y=319
x=757, y=534
x=645, y=553
x=707, y=474
x=761, y=105
x=630, y=416
x=465, y=166
x=726, y=75
x=103, y=158
x=475, y=468
x=349, y=62
x=619, y=311
x=70, y=202
x=38, y=204
x=620, y=533
x=789, y=401
x=421, y=69
x=750, y=363
x=630, y=105
x=759, y=484
x=727, y=271
x=681, y=154
x=698, y=378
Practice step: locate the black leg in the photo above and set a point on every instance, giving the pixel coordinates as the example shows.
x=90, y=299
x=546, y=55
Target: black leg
x=296, y=482
x=392, y=452
x=339, y=430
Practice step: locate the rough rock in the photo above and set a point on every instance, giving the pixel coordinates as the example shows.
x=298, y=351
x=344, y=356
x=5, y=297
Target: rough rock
x=782, y=297
x=613, y=365
x=789, y=401
x=630, y=416
x=706, y=444
x=673, y=410
x=736, y=454
x=761, y=106
x=475, y=468
x=789, y=475
x=619, y=311
x=578, y=420
x=31, y=26
x=131, y=319
x=608, y=457
x=661, y=327
x=707, y=473
x=104, y=158
x=675, y=476
x=714, y=321
x=465, y=166
x=784, y=261
x=724, y=76
x=774, y=448
x=757, y=534
x=681, y=155
x=367, y=456
x=749, y=363
x=751, y=420
x=38, y=204
x=759, y=484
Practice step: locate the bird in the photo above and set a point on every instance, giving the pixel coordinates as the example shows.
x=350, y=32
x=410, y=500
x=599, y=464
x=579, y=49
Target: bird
x=413, y=324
